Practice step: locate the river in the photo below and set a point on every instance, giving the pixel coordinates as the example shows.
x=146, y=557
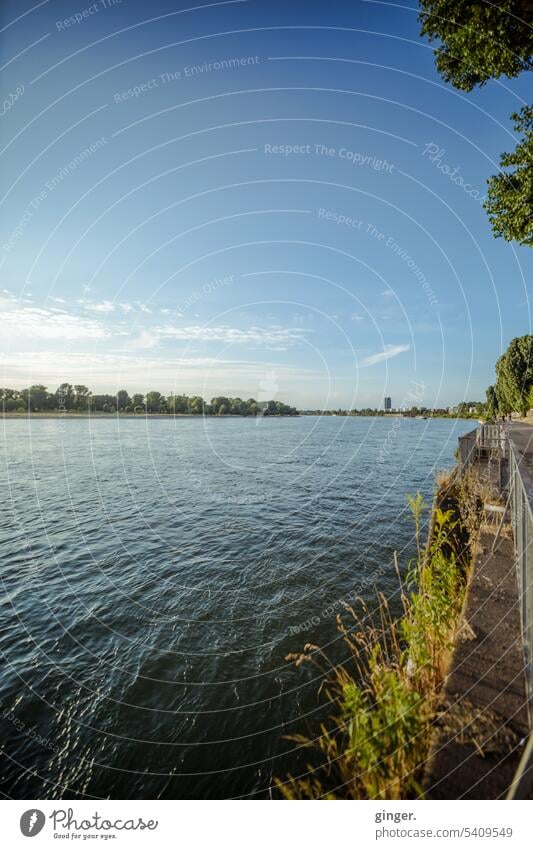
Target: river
x=156, y=573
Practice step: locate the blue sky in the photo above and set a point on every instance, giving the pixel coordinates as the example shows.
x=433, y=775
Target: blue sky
x=250, y=198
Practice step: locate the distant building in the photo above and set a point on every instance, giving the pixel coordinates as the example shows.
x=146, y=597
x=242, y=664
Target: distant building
x=387, y=404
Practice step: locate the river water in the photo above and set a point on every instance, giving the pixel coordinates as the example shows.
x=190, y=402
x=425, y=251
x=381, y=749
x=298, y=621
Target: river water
x=156, y=573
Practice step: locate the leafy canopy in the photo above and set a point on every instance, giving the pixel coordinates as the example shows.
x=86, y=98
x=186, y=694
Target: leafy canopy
x=510, y=195
x=514, y=376
x=479, y=40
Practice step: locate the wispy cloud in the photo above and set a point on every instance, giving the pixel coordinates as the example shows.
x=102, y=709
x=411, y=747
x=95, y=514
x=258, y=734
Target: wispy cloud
x=102, y=307
x=388, y=352
x=20, y=322
x=145, y=339
x=208, y=376
x=231, y=335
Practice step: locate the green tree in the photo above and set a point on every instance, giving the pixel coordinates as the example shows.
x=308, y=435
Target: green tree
x=137, y=400
x=123, y=399
x=479, y=40
x=510, y=194
x=65, y=397
x=514, y=373
x=178, y=404
x=83, y=395
x=196, y=405
x=492, y=402
x=153, y=402
x=237, y=407
x=35, y=398
x=10, y=400
x=218, y=402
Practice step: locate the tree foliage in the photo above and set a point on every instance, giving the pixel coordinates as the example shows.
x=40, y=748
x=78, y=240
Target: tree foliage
x=510, y=195
x=79, y=399
x=514, y=377
x=479, y=40
x=492, y=402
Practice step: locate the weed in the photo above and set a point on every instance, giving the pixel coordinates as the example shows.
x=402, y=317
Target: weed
x=385, y=699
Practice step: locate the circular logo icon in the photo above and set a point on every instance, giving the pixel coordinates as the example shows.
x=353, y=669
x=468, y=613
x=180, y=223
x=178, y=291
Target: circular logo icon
x=32, y=822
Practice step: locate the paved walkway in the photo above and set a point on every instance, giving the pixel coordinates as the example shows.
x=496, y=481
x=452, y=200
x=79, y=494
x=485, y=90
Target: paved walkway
x=482, y=724
x=522, y=438
x=483, y=721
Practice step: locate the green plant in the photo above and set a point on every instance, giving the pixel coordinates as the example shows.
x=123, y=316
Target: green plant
x=384, y=700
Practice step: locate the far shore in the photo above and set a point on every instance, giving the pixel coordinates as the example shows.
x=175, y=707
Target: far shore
x=99, y=415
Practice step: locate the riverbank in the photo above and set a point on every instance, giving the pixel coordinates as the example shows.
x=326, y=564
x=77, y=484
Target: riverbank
x=385, y=698
x=108, y=416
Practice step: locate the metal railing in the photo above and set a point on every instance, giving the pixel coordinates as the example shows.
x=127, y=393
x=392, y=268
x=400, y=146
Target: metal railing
x=493, y=437
x=521, y=501
x=495, y=443
x=488, y=440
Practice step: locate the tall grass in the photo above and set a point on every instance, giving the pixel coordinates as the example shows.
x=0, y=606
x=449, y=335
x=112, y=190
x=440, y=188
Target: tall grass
x=384, y=698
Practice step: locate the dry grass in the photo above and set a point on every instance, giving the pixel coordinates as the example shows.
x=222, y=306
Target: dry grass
x=384, y=700
x=444, y=479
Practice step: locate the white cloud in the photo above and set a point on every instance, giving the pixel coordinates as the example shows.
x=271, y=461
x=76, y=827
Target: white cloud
x=388, y=352
x=208, y=376
x=145, y=339
x=36, y=323
x=388, y=293
x=56, y=300
x=357, y=317
x=231, y=335
x=102, y=307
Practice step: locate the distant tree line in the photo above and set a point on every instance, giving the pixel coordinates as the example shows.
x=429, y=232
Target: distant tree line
x=79, y=399
x=513, y=390
x=466, y=409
